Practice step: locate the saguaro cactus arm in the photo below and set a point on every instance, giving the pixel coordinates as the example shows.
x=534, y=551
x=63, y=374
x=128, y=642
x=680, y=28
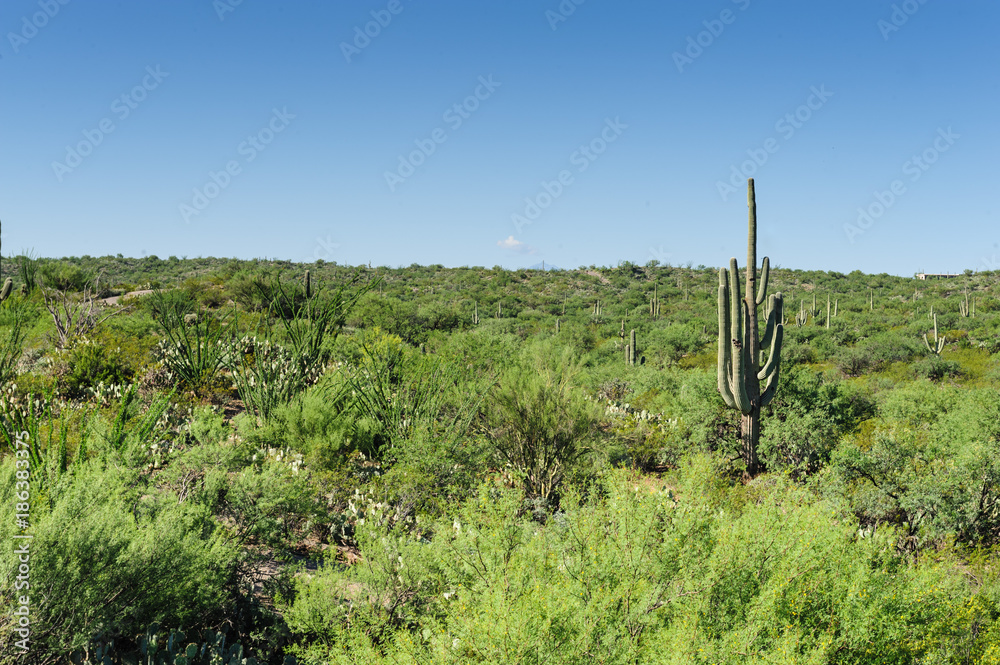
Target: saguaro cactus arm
x=734, y=351
x=765, y=272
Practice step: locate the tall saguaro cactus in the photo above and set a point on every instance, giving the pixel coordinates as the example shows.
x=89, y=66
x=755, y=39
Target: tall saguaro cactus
x=741, y=371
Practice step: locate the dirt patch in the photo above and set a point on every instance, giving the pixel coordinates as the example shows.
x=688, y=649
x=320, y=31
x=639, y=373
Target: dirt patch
x=594, y=273
x=113, y=300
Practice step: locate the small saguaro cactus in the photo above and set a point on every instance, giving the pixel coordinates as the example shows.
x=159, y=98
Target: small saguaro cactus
x=475, y=314
x=963, y=305
x=938, y=345
x=740, y=369
x=499, y=310
x=630, y=351
x=557, y=326
x=828, y=311
x=308, y=286
x=802, y=316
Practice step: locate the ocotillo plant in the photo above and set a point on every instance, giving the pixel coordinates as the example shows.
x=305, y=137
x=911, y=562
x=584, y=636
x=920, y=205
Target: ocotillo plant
x=938, y=343
x=740, y=370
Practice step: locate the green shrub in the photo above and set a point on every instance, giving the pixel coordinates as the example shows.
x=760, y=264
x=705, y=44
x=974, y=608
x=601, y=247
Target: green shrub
x=875, y=353
x=935, y=368
x=64, y=276
x=938, y=479
x=634, y=571
x=539, y=422
x=105, y=558
x=806, y=420
x=93, y=361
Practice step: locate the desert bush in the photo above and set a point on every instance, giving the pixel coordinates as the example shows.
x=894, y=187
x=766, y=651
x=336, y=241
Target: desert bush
x=539, y=422
x=875, y=353
x=63, y=276
x=99, y=359
x=939, y=481
x=252, y=288
x=935, y=368
x=806, y=420
x=672, y=342
x=105, y=558
x=319, y=424
x=634, y=571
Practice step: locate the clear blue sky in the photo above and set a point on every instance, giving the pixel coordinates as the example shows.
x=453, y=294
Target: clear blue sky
x=625, y=123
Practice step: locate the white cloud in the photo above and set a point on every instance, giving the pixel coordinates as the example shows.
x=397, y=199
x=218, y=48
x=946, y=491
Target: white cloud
x=515, y=245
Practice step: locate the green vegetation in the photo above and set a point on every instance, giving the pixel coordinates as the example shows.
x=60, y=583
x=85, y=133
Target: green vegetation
x=329, y=464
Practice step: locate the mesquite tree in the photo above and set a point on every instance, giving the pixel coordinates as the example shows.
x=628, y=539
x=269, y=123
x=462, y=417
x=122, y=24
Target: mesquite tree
x=741, y=366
